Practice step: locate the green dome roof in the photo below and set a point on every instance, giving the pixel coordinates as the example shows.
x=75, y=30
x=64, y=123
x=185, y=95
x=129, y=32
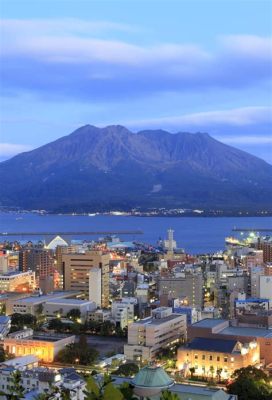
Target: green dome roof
x=152, y=377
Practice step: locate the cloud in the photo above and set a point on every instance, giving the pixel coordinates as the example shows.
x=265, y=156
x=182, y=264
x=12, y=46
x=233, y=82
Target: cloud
x=71, y=58
x=11, y=149
x=248, y=46
x=234, y=117
x=247, y=139
x=62, y=27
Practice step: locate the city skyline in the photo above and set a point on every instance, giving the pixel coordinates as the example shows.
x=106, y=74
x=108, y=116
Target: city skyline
x=183, y=66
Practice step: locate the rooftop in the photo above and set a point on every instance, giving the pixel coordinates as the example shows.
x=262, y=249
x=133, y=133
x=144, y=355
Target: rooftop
x=251, y=300
x=152, y=377
x=46, y=298
x=21, y=361
x=209, y=322
x=216, y=345
x=202, y=391
x=240, y=331
x=157, y=321
x=43, y=337
x=69, y=301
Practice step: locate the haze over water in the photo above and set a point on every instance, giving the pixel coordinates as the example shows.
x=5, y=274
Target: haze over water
x=194, y=234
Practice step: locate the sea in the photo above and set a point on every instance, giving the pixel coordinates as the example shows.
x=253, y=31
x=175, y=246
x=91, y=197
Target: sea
x=196, y=235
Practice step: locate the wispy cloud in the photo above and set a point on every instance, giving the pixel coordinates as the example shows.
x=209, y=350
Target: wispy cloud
x=248, y=46
x=61, y=26
x=247, y=139
x=74, y=59
x=233, y=117
x=11, y=149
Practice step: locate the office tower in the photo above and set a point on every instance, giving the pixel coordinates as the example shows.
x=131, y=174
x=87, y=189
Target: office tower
x=77, y=268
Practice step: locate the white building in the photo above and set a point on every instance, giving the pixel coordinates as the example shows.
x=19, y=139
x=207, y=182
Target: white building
x=95, y=286
x=35, y=304
x=170, y=244
x=123, y=311
x=255, y=274
x=40, y=380
x=148, y=336
x=61, y=307
x=266, y=288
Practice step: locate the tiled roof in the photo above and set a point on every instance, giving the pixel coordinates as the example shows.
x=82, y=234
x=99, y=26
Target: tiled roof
x=216, y=345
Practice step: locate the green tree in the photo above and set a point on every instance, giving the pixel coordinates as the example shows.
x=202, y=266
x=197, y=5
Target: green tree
x=74, y=314
x=76, y=353
x=56, y=325
x=104, y=390
x=167, y=395
x=218, y=373
x=128, y=369
x=16, y=390
x=250, y=383
x=21, y=320
x=192, y=371
x=127, y=391
x=107, y=328
x=212, y=370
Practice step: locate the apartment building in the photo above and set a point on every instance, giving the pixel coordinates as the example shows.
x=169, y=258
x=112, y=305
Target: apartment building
x=148, y=336
x=123, y=311
x=185, y=284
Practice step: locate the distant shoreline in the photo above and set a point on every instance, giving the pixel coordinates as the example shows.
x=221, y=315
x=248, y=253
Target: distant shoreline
x=145, y=214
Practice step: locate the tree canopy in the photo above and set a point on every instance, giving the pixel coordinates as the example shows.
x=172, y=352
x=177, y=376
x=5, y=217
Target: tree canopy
x=250, y=383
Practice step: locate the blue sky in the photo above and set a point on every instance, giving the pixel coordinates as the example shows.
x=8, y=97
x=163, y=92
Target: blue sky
x=177, y=65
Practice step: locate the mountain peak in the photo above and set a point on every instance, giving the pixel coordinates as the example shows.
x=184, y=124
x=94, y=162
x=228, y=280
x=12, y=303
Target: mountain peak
x=111, y=167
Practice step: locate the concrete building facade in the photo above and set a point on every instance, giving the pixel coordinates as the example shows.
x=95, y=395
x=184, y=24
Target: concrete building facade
x=77, y=268
x=148, y=336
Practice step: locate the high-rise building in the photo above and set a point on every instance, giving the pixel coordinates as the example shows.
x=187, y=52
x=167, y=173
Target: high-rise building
x=95, y=286
x=77, y=268
x=266, y=247
x=41, y=261
x=188, y=285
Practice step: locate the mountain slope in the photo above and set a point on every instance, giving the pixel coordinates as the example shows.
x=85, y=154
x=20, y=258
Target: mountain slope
x=103, y=168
